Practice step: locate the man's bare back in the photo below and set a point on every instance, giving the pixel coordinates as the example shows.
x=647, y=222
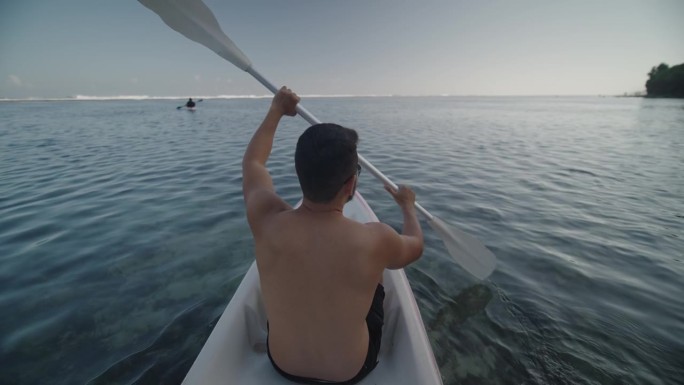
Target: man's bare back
x=319, y=270
x=319, y=273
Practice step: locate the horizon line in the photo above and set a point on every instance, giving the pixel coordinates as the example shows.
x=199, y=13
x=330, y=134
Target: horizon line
x=226, y=97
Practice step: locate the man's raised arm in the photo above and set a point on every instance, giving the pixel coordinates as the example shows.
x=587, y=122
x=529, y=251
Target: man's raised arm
x=257, y=185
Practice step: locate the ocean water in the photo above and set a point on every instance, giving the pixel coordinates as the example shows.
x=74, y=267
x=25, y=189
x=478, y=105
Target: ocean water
x=123, y=236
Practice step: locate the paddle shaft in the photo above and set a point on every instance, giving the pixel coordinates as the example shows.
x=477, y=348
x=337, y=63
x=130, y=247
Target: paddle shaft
x=309, y=117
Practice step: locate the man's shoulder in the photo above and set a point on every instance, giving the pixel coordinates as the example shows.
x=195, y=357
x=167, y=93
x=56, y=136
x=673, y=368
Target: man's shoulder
x=378, y=228
x=266, y=201
x=373, y=235
x=263, y=206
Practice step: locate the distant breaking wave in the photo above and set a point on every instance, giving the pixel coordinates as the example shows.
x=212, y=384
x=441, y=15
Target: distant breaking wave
x=147, y=97
x=134, y=97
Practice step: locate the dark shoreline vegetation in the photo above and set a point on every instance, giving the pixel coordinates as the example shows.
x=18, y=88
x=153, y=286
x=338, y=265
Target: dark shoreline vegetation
x=665, y=81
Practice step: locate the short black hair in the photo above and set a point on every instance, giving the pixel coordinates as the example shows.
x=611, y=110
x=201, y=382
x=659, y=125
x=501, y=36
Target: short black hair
x=325, y=159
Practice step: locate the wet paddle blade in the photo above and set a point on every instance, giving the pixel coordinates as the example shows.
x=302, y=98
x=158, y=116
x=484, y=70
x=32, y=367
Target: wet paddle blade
x=468, y=252
x=194, y=20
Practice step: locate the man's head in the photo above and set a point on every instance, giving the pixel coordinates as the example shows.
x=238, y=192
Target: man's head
x=325, y=160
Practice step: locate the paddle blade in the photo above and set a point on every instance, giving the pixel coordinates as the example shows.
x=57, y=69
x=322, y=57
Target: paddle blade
x=468, y=252
x=194, y=20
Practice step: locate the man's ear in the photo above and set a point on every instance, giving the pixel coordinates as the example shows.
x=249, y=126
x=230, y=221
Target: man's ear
x=348, y=187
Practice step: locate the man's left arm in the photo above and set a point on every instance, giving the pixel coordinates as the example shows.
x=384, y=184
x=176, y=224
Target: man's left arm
x=257, y=185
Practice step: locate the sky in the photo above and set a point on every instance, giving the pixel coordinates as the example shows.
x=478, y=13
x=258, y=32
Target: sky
x=57, y=49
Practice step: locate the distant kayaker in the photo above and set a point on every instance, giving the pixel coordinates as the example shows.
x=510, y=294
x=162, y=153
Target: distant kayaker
x=190, y=103
x=321, y=272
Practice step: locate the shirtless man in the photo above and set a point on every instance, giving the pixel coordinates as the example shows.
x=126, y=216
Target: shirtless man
x=320, y=272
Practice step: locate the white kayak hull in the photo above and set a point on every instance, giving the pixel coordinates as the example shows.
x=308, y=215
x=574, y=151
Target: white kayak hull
x=235, y=352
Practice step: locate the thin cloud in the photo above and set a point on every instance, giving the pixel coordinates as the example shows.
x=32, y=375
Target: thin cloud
x=14, y=80
x=220, y=80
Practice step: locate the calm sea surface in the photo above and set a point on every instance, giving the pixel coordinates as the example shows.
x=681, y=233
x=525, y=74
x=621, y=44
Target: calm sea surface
x=123, y=234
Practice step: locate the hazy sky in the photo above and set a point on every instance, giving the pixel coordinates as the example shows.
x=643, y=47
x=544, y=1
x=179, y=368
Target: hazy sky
x=362, y=47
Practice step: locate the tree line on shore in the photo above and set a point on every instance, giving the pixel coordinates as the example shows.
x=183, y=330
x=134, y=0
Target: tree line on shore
x=665, y=81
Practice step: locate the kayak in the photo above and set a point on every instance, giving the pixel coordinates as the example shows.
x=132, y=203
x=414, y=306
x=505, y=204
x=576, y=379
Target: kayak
x=235, y=352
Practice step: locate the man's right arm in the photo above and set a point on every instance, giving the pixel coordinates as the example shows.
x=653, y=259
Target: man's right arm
x=405, y=248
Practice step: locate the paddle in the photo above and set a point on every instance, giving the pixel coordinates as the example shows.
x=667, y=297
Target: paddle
x=194, y=20
x=179, y=107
